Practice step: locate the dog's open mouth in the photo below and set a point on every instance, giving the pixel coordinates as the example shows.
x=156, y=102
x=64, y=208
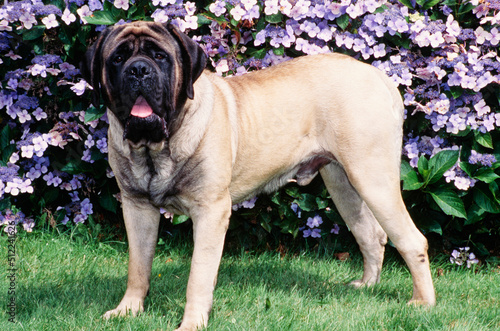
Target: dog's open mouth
x=143, y=125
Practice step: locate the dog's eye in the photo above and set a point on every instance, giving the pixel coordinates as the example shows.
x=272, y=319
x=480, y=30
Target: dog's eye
x=118, y=59
x=159, y=56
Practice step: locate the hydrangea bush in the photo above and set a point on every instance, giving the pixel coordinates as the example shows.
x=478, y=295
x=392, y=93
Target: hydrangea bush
x=443, y=55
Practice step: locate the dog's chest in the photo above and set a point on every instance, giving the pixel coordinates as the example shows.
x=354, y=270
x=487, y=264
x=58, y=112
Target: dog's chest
x=156, y=177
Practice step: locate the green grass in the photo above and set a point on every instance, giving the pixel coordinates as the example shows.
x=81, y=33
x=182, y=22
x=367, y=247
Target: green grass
x=62, y=285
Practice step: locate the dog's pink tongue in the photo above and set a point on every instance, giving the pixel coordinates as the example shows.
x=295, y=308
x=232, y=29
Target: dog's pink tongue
x=141, y=108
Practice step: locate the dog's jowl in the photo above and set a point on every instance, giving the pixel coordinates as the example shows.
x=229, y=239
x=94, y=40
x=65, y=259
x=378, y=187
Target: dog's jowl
x=186, y=140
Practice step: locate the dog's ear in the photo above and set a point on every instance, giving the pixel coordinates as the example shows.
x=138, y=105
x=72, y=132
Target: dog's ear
x=193, y=58
x=91, y=67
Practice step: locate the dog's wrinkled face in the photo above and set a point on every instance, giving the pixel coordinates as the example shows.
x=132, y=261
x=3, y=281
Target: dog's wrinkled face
x=145, y=72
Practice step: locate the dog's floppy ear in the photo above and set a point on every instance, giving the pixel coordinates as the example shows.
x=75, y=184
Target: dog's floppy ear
x=91, y=67
x=193, y=58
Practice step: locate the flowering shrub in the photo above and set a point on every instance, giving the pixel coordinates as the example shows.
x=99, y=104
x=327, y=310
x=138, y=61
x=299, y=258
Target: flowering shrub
x=443, y=55
x=463, y=257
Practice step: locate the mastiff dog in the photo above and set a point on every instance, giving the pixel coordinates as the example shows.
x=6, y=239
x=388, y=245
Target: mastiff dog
x=189, y=141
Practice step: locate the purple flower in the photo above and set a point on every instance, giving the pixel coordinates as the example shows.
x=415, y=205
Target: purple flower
x=296, y=209
x=68, y=17
x=39, y=114
x=50, y=21
x=38, y=69
x=468, y=82
x=307, y=233
x=79, y=88
x=355, y=10
x=52, y=180
x=79, y=218
x=28, y=224
x=95, y=5
x=314, y=222
x=316, y=233
x=462, y=255
x=335, y=229
x=271, y=7
x=86, y=207
x=481, y=108
x=379, y=50
x=454, y=79
x=23, y=116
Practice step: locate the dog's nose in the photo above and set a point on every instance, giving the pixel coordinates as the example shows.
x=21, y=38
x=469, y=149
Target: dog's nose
x=139, y=69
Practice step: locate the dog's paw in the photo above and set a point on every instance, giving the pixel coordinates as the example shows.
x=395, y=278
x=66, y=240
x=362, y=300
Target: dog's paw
x=190, y=327
x=361, y=283
x=132, y=308
x=193, y=322
x=422, y=303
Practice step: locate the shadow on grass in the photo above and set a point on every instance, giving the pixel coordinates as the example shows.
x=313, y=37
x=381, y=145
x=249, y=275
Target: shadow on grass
x=84, y=290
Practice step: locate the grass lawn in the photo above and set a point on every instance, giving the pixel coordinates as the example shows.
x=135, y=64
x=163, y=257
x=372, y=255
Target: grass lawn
x=62, y=285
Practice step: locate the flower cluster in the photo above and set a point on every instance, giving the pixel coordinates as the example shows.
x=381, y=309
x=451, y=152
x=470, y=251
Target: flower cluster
x=444, y=59
x=249, y=204
x=463, y=257
x=313, y=229
x=11, y=219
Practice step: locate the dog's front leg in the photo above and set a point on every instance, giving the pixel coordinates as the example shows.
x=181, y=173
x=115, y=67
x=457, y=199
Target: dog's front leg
x=210, y=223
x=141, y=222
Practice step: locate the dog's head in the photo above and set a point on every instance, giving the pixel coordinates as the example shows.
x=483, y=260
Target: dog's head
x=145, y=72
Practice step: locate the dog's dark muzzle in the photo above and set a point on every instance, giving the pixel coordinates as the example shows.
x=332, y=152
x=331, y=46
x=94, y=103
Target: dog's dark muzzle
x=141, y=77
x=148, y=129
x=144, y=122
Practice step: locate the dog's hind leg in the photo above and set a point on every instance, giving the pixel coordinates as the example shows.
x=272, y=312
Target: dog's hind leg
x=377, y=181
x=370, y=237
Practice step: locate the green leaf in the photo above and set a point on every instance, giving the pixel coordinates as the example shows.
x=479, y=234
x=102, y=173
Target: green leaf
x=440, y=163
x=449, y=202
x=108, y=201
x=469, y=169
x=495, y=191
x=486, y=175
x=101, y=18
x=34, y=33
x=234, y=22
x=265, y=221
x=76, y=167
x=279, y=51
x=464, y=8
x=409, y=177
x=5, y=137
x=343, y=21
x=276, y=18
x=5, y=203
x=483, y=139
x=456, y=92
x=306, y=202
x=6, y=154
x=423, y=167
x=203, y=19
x=93, y=114
x=178, y=219
x=474, y=215
x=256, y=53
x=430, y=4
x=407, y=3
x=50, y=196
x=322, y=204
x=430, y=225
x=136, y=13
x=485, y=200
